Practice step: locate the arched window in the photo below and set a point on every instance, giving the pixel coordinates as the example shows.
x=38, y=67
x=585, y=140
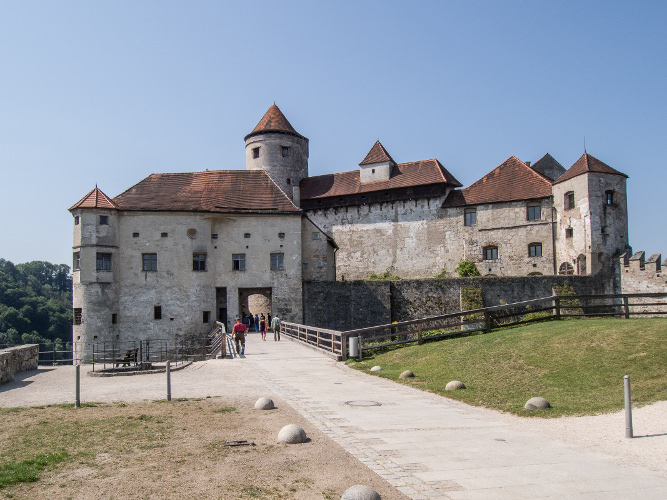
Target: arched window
x=566, y=269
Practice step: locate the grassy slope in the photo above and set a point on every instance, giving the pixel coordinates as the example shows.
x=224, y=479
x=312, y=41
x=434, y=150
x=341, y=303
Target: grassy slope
x=578, y=365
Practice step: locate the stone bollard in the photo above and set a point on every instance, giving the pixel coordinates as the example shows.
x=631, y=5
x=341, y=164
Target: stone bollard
x=537, y=404
x=292, y=434
x=454, y=385
x=376, y=369
x=264, y=404
x=406, y=374
x=360, y=492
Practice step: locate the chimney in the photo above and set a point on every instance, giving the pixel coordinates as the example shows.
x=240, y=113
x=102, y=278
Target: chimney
x=527, y=163
x=296, y=196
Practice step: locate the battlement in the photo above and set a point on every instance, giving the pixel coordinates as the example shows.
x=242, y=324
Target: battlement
x=638, y=263
x=641, y=275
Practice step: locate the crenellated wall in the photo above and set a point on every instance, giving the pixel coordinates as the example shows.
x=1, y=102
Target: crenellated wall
x=639, y=275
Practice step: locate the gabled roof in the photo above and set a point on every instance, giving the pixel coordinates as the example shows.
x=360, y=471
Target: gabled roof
x=510, y=181
x=587, y=163
x=95, y=199
x=273, y=121
x=548, y=167
x=377, y=154
x=418, y=173
x=221, y=191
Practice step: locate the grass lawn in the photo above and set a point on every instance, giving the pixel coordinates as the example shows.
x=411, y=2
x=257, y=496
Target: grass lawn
x=577, y=365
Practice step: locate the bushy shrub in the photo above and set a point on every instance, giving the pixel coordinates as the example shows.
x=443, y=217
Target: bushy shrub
x=467, y=269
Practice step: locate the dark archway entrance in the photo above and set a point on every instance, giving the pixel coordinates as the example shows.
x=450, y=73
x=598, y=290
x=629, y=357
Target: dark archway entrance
x=255, y=301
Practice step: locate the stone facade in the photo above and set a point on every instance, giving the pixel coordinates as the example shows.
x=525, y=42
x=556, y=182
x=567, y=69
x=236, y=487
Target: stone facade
x=638, y=275
x=16, y=360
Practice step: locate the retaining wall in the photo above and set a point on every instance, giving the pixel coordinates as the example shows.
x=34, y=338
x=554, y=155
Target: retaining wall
x=17, y=359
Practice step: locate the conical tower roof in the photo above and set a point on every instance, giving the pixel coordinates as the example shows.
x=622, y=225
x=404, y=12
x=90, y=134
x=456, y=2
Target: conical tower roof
x=273, y=121
x=95, y=199
x=377, y=154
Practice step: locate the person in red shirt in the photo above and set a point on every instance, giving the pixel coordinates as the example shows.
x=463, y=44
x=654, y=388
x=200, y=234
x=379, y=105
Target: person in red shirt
x=239, y=333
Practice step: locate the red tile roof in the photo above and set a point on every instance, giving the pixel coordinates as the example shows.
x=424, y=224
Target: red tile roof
x=95, y=199
x=377, y=154
x=587, y=163
x=273, y=121
x=418, y=173
x=512, y=180
x=223, y=191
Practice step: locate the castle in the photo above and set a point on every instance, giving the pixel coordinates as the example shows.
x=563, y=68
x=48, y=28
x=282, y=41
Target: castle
x=175, y=252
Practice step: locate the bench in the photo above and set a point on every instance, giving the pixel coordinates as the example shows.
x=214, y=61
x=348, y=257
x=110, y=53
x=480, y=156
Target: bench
x=130, y=357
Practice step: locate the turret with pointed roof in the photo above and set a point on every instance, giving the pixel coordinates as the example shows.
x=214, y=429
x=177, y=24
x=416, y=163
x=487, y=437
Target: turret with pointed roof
x=277, y=148
x=377, y=166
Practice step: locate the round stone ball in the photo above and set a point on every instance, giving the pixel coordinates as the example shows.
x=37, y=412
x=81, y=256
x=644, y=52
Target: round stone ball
x=376, y=369
x=264, y=404
x=360, y=492
x=406, y=374
x=292, y=434
x=454, y=385
x=537, y=404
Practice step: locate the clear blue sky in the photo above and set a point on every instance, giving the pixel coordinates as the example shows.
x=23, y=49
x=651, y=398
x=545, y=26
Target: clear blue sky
x=108, y=92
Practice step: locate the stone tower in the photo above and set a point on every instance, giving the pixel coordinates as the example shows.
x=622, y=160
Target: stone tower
x=275, y=147
x=592, y=216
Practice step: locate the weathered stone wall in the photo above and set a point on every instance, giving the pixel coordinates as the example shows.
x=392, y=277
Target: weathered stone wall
x=16, y=360
x=644, y=276
x=355, y=304
x=419, y=239
x=317, y=253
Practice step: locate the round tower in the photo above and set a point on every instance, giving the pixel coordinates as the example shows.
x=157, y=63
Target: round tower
x=275, y=147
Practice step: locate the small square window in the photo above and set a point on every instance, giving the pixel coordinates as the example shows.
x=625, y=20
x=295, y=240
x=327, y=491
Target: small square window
x=157, y=312
x=135, y=235
x=214, y=236
x=535, y=250
x=569, y=232
x=255, y=152
x=281, y=236
x=77, y=316
x=103, y=262
x=490, y=253
x=164, y=235
x=534, y=212
x=305, y=266
x=114, y=318
x=246, y=235
x=104, y=220
x=199, y=262
x=277, y=261
x=149, y=262
x=238, y=262
x=76, y=220
x=76, y=261
x=206, y=316
x=316, y=236
x=284, y=151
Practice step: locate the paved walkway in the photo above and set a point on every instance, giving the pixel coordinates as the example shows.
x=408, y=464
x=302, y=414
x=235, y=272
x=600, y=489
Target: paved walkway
x=427, y=446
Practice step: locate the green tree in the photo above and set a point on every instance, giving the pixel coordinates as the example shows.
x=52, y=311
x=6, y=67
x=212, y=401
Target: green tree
x=467, y=269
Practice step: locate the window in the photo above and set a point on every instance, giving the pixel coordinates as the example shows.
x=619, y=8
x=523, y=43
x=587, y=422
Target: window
x=289, y=181
x=246, y=235
x=316, y=236
x=535, y=250
x=104, y=220
x=608, y=197
x=206, y=315
x=76, y=261
x=305, y=266
x=490, y=253
x=214, y=236
x=281, y=236
x=164, y=235
x=470, y=217
x=277, y=261
x=566, y=268
x=284, y=151
x=238, y=262
x=149, y=262
x=255, y=152
x=157, y=312
x=103, y=262
x=114, y=318
x=199, y=262
x=372, y=170
x=569, y=200
x=534, y=212
x=77, y=315
x=76, y=220
x=135, y=235
x=569, y=232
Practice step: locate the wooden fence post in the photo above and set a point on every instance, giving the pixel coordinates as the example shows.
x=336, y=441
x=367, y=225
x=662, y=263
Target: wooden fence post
x=343, y=346
x=487, y=321
x=557, y=307
x=626, y=307
x=419, y=333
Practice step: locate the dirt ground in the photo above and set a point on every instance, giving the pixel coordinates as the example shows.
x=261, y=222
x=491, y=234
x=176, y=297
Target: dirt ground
x=177, y=450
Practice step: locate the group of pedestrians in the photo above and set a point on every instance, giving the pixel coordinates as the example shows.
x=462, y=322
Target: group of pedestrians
x=259, y=324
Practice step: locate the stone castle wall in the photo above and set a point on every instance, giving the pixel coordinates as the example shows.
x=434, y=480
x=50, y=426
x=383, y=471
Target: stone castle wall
x=638, y=275
x=16, y=360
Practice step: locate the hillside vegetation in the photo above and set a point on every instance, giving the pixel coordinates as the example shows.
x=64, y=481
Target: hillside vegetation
x=35, y=303
x=577, y=365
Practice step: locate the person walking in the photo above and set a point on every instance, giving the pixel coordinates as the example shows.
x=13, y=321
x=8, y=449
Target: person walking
x=275, y=324
x=239, y=333
x=262, y=327
x=256, y=322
